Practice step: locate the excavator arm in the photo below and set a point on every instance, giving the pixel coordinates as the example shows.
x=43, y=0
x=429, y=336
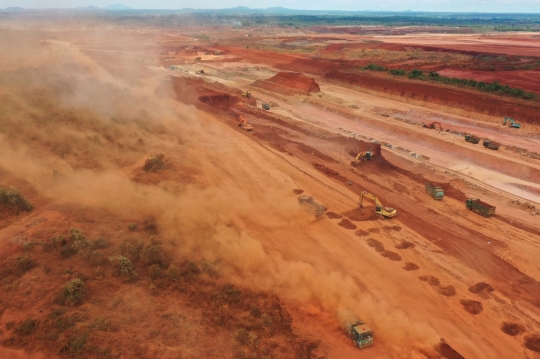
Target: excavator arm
x=379, y=208
x=368, y=155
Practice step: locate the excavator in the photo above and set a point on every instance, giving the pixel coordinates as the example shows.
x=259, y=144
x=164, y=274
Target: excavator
x=380, y=210
x=367, y=155
x=433, y=126
x=244, y=124
x=513, y=123
x=247, y=94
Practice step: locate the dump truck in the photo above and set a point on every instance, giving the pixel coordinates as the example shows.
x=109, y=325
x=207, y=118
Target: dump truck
x=317, y=208
x=513, y=123
x=492, y=145
x=265, y=106
x=357, y=329
x=435, y=191
x=472, y=139
x=477, y=206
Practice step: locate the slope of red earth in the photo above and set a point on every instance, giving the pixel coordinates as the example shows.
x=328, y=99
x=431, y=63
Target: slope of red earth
x=526, y=111
x=289, y=83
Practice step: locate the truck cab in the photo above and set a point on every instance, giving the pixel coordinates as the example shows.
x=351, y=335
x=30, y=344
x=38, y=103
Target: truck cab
x=361, y=334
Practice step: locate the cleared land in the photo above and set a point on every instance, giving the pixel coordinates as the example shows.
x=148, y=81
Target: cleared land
x=126, y=150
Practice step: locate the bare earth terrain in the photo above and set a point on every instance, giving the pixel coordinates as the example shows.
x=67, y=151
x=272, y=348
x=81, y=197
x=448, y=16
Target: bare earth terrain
x=129, y=152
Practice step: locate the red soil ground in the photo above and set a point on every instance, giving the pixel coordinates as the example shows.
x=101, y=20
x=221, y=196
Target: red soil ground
x=289, y=83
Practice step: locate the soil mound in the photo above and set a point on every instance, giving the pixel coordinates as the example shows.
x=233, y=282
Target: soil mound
x=481, y=288
x=298, y=191
x=333, y=215
x=448, y=352
x=512, y=329
x=433, y=281
x=345, y=223
x=532, y=342
x=361, y=233
x=379, y=247
x=393, y=256
x=357, y=215
x=409, y=266
x=289, y=83
x=393, y=228
x=473, y=306
x=448, y=291
x=405, y=245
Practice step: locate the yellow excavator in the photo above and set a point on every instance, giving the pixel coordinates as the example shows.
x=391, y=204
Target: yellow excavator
x=367, y=155
x=244, y=124
x=247, y=94
x=380, y=210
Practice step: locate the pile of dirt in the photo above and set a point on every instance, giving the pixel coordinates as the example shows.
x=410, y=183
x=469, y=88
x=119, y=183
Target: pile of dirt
x=405, y=245
x=379, y=247
x=357, y=215
x=333, y=215
x=361, y=233
x=532, y=342
x=448, y=352
x=512, y=329
x=298, y=191
x=481, y=288
x=409, y=266
x=433, y=281
x=345, y=223
x=393, y=256
x=448, y=291
x=472, y=306
x=392, y=228
x=289, y=83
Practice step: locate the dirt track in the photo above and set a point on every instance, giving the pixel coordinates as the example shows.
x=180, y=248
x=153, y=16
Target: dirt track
x=434, y=271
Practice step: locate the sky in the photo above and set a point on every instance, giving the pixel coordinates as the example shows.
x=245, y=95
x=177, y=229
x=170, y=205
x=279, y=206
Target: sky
x=526, y=6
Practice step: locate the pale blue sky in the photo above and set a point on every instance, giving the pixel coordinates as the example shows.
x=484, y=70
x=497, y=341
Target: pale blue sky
x=526, y=6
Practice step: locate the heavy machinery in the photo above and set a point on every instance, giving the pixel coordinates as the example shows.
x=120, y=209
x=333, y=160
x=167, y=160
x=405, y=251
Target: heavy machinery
x=367, y=155
x=435, y=191
x=513, y=123
x=433, y=126
x=492, y=145
x=380, y=210
x=357, y=329
x=265, y=106
x=247, y=94
x=317, y=208
x=477, y=206
x=244, y=124
x=472, y=139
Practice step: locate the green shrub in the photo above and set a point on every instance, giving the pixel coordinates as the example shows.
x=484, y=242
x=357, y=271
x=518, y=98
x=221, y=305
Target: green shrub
x=74, y=291
x=123, y=266
x=99, y=243
x=154, y=254
x=132, y=248
x=13, y=200
x=154, y=271
x=27, y=327
x=24, y=264
x=154, y=164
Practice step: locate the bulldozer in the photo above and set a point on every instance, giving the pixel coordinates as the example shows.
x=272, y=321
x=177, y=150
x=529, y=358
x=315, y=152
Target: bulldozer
x=367, y=155
x=244, y=124
x=513, y=123
x=247, y=94
x=380, y=210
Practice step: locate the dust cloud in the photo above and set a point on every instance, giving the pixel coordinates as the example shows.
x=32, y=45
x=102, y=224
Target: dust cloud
x=215, y=221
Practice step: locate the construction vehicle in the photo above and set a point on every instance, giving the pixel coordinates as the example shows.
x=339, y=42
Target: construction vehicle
x=367, y=155
x=317, y=208
x=199, y=72
x=247, y=94
x=480, y=207
x=513, y=123
x=433, y=126
x=435, y=191
x=244, y=124
x=357, y=329
x=472, y=139
x=380, y=210
x=492, y=145
x=265, y=106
